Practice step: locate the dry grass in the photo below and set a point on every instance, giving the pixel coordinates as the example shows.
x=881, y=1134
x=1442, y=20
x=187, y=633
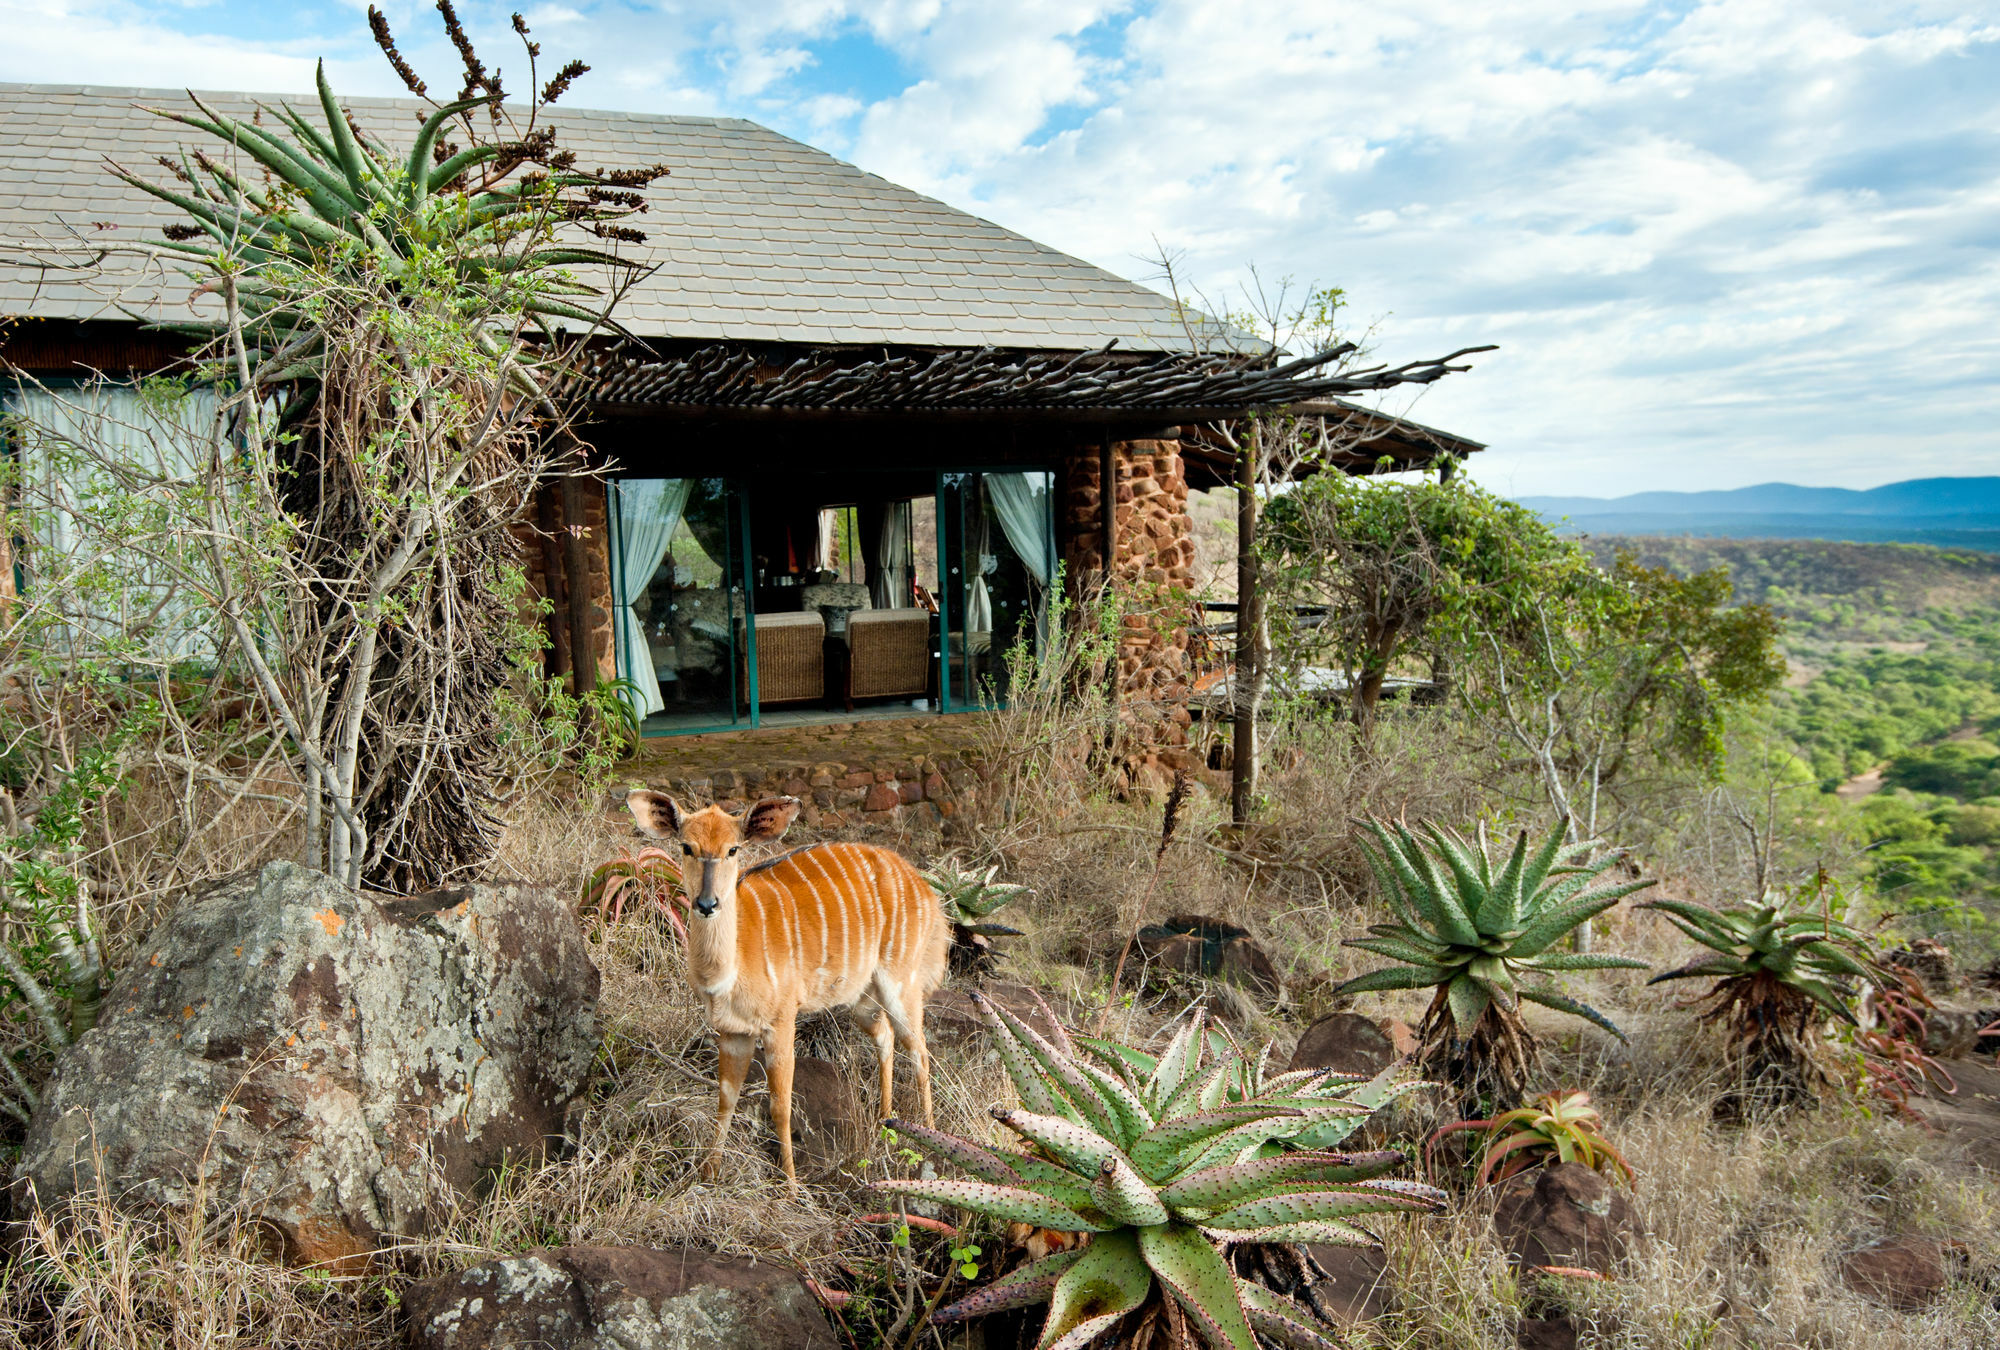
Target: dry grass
x=1747, y=1223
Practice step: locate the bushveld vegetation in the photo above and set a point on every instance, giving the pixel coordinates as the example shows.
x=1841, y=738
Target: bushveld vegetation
x=1602, y=729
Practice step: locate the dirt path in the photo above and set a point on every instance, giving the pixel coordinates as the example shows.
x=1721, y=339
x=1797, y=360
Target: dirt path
x=1861, y=785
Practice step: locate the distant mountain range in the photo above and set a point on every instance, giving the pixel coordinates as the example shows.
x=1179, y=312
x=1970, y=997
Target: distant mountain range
x=1950, y=512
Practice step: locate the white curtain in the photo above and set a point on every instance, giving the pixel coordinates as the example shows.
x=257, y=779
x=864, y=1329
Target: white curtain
x=1021, y=501
x=645, y=513
x=978, y=599
x=165, y=437
x=893, y=560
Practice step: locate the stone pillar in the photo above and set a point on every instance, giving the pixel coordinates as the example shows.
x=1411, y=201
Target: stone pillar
x=597, y=549
x=1153, y=567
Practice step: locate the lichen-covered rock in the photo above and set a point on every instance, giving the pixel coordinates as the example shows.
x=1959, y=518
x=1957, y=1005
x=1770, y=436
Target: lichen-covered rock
x=1566, y=1215
x=324, y=1057
x=619, y=1298
x=1346, y=1043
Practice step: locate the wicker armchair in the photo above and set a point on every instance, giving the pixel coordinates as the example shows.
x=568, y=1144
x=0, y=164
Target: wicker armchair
x=791, y=660
x=891, y=652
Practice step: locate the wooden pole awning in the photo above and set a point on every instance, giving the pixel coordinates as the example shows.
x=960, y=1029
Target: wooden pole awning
x=1094, y=386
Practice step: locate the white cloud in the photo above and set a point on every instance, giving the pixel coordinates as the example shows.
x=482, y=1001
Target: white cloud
x=1720, y=243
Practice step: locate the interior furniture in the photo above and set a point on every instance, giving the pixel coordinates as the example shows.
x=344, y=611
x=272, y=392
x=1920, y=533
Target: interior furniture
x=791, y=660
x=889, y=652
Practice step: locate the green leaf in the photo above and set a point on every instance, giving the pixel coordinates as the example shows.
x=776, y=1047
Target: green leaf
x=1468, y=999
x=1195, y=1274
x=1544, y=930
x=418, y=167
x=1470, y=894
x=1181, y=1057
x=1110, y=1279
x=1217, y=1188
x=1008, y=1204
x=1125, y=1195
x=963, y=1154
x=1825, y=995
x=1053, y=1180
x=1549, y=998
x=1703, y=967
x=1319, y=1230
x=1022, y=1288
x=1090, y=1105
x=1395, y=977
x=1079, y=1147
x=1566, y=961
x=343, y=137
x=1323, y=1205
x=1280, y=1319
x=1160, y=1149
x=1399, y=949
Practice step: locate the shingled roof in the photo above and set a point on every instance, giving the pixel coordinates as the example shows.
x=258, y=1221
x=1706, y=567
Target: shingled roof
x=758, y=238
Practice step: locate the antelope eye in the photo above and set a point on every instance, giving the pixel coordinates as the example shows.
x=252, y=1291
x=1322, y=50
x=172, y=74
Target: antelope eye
x=688, y=849
x=735, y=849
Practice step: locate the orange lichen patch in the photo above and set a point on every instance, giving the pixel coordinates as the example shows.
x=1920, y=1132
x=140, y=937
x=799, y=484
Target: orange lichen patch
x=155, y=959
x=188, y=1011
x=330, y=921
x=291, y=1041
x=237, y=950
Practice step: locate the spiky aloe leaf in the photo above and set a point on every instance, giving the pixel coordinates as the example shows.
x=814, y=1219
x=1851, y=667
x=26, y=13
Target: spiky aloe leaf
x=1404, y=949
x=1124, y=1195
x=1458, y=904
x=1134, y=1065
x=1110, y=1280
x=1160, y=1150
x=1501, y=909
x=1053, y=1180
x=1395, y=977
x=1134, y=1118
x=1083, y=1095
x=1467, y=999
x=1280, y=1319
x=1181, y=1057
x=1022, y=1288
x=1194, y=1273
x=1568, y=961
x=1552, y=924
x=1319, y=1230
x=1079, y=1147
x=1217, y=1188
x=1319, y=1206
x=1009, y=1204
x=1034, y=1090
x=967, y=1156
x=1549, y=998
x=1714, y=965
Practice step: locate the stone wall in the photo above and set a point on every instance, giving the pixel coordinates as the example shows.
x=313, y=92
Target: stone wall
x=1154, y=567
x=852, y=790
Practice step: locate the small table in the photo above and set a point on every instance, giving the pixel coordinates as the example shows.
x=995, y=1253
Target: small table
x=839, y=657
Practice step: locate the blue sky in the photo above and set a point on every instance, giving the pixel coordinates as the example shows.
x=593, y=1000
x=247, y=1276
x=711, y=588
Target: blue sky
x=1719, y=243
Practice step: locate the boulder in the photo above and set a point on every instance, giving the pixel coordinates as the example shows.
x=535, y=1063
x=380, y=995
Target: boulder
x=1904, y=1273
x=326, y=1058
x=1952, y=1033
x=1566, y=1215
x=1354, y=1285
x=1930, y=961
x=1546, y=1333
x=619, y=1298
x=829, y=1124
x=1347, y=1043
x=950, y=1013
x=1193, y=944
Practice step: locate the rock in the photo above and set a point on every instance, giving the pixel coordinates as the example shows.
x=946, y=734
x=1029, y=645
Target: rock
x=950, y=1013
x=1193, y=944
x=1952, y=1033
x=619, y=1298
x=1930, y=961
x=1904, y=1273
x=1546, y=1333
x=323, y=1057
x=1566, y=1215
x=829, y=1125
x=1356, y=1285
x=1347, y=1043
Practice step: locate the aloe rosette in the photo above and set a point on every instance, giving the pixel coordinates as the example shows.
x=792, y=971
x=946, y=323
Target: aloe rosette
x=1165, y=1161
x=1775, y=971
x=1481, y=932
x=970, y=898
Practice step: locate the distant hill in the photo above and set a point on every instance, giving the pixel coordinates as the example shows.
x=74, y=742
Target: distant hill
x=1950, y=512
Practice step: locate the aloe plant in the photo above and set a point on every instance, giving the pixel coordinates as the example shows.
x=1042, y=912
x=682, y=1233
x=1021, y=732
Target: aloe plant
x=488, y=211
x=1559, y=1127
x=1777, y=973
x=970, y=898
x=1165, y=1161
x=1482, y=933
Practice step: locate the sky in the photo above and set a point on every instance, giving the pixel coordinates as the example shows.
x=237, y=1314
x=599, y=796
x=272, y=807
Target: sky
x=1717, y=243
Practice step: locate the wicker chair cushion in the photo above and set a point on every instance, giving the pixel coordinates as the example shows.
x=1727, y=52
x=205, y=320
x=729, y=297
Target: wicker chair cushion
x=891, y=652
x=791, y=659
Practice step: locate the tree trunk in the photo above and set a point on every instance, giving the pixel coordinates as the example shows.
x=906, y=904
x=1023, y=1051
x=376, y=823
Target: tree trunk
x=1247, y=686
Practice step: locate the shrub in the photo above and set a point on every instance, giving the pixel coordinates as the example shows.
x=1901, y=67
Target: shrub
x=1562, y=1126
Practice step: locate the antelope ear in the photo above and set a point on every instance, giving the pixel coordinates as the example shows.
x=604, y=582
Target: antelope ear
x=655, y=812
x=770, y=818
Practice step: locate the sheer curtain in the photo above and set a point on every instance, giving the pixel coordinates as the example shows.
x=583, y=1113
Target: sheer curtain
x=1021, y=501
x=165, y=438
x=893, y=559
x=645, y=513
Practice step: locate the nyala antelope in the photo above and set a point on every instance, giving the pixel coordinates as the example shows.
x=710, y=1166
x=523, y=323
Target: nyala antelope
x=825, y=926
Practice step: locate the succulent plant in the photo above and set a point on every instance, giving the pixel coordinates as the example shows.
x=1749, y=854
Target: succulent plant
x=1477, y=932
x=1559, y=1126
x=1777, y=972
x=970, y=898
x=1166, y=1161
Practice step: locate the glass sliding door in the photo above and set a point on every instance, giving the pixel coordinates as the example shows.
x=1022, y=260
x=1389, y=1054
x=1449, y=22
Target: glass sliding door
x=996, y=549
x=679, y=612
